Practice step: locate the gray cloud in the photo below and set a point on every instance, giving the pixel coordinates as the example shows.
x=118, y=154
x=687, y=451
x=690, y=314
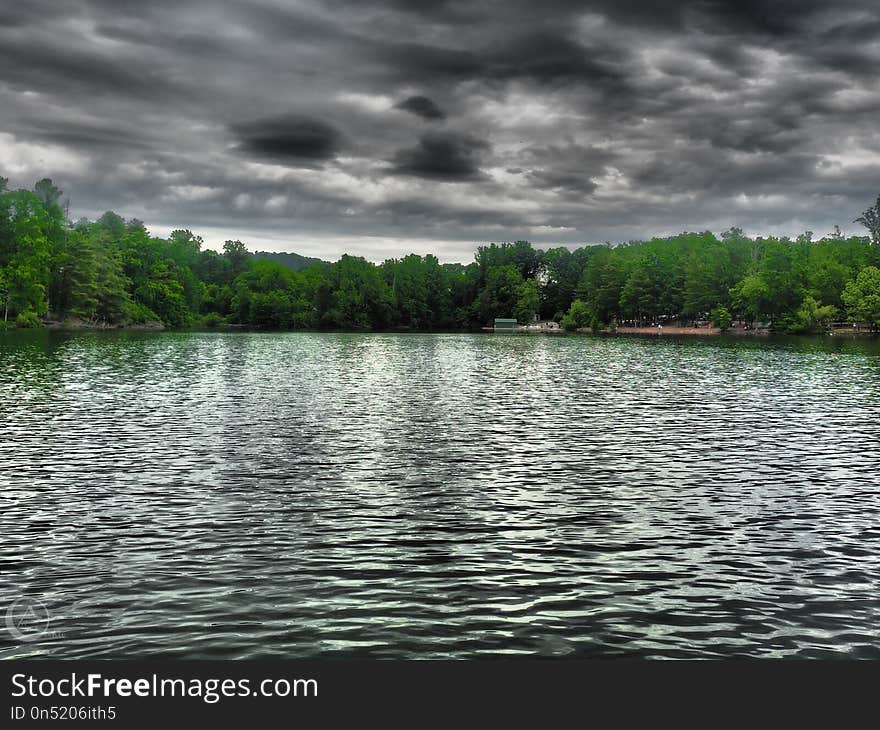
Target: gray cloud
x=442, y=156
x=422, y=107
x=289, y=139
x=561, y=122
x=572, y=182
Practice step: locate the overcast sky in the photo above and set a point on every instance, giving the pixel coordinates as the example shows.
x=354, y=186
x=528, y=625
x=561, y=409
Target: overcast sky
x=381, y=128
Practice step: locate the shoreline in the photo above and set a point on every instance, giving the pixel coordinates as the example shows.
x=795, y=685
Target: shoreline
x=79, y=326
x=692, y=331
x=733, y=331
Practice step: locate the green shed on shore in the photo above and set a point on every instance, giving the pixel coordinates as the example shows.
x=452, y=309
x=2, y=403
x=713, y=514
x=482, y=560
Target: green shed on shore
x=505, y=325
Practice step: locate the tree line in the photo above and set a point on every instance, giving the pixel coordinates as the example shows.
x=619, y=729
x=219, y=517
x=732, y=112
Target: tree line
x=112, y=272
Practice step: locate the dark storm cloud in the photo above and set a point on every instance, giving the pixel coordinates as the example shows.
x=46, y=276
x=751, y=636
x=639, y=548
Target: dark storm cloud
x=443, y=156
x=560, y=121
x=853, y=31
x=59, y=67
x=289, y=139
x=568, y=168
x=422, y=107
x=280, y=23
x=419, y=61
x=88, y=135
x=11, y=19
x=555, y=58
x=547, y=57
x=427, y=214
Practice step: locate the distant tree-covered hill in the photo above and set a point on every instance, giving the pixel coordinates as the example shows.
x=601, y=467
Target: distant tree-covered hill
x=292, y=261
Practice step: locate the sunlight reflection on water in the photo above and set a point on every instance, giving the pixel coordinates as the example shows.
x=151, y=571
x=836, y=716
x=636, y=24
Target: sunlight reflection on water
x=294, y=495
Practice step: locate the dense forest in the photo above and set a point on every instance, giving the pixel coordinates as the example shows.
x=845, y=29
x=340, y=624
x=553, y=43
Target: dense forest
x=112, y=272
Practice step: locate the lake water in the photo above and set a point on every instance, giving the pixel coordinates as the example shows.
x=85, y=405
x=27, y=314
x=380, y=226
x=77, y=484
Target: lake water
x=379, y=495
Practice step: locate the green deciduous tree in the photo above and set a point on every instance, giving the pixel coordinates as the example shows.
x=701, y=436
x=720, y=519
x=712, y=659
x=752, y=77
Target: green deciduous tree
x=359, y=297
x=602, y=282
x=870, y=219
x=810, y=317
x=26, y=271
x=579, y=315
x=751, y=298
x=236, y=254
x=721, y=317
x=501, y=293
x=862, y=297
x=528, y=301
x=639, y=298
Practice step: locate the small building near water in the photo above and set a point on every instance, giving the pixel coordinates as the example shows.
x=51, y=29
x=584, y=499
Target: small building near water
x=503, y=324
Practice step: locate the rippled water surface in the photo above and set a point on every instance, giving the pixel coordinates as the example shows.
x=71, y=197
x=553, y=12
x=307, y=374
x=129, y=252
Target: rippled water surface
x=300, y=495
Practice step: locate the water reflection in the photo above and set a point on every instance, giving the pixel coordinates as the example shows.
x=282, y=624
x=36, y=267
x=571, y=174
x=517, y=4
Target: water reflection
x=255, y=495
